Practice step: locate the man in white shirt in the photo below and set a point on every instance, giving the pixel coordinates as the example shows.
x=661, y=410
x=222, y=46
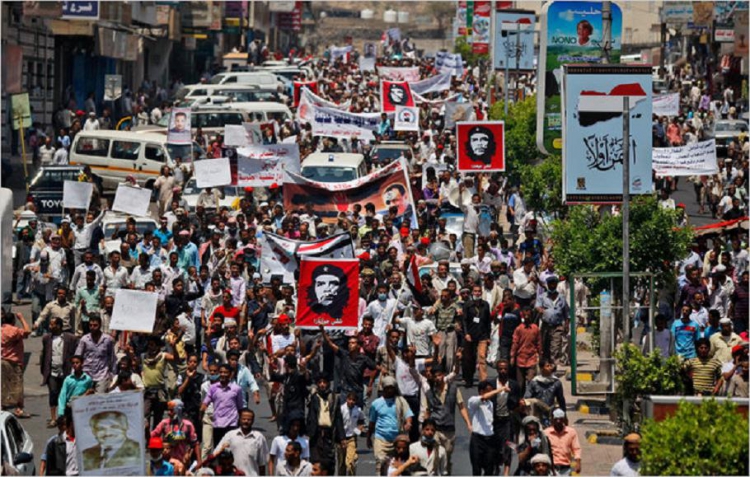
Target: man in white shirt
x=47, y=152
x=482, y=448
x=60, y=158
x=382, y=311
x=433, y=457
x=525, y=281
x=91, y=124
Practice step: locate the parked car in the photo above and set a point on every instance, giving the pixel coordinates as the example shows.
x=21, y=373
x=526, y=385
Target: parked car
x=116, y=221
x=726, y=131
x=334, y=167
x=16, y=446
x=46, y=188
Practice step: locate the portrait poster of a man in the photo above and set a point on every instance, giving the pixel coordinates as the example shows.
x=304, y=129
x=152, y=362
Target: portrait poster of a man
x=179, y=131
x=109, y=436
x=481, y=146
x=328, y=293
x=395, y=93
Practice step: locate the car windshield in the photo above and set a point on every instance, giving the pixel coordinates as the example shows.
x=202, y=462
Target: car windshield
x=387, y=154
x=721, y=126
x=184, y=151
x=217, y=79
x=329, y=174
x=164, y=121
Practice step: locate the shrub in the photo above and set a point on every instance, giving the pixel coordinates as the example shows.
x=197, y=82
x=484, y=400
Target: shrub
x=706, y=439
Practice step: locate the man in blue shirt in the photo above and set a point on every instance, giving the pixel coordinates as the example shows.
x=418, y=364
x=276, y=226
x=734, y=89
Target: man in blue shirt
x=157, y=464
x=77, y=383
x=187, y=252
x=684, y=334
x=389, y=416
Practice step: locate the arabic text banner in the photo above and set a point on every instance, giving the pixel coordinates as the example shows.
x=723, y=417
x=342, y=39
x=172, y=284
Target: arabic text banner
x=698, y=159
x=384, y=188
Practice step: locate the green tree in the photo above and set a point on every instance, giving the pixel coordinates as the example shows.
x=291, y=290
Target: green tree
x=592, y=242
x=706, y=439
x=464, y=47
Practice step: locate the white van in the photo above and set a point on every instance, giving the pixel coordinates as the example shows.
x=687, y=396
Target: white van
x=113, y=155
x=264, y=111
x=259, y=78
x=333, y=167
x=235, y=92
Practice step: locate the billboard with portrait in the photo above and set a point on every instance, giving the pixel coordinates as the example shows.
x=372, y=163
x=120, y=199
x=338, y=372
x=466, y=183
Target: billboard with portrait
x=384, y=188
x=571, y=33
x=109, y=433
x=481, y=146
x=328, y=293
x=179, y=131
x=593, y=99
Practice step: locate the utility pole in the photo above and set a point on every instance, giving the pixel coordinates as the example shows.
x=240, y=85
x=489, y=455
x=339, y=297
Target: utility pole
x=606, y=31
x=626, y=218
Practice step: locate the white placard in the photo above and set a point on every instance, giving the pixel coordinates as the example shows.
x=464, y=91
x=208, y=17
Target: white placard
x=667, y=104
x=112, y=246
x=698, y=159
x=121, y=414
x=235, y=135
x=77, y=195
x=132, y=200
x=406, y=119
x=259, y=172
x=134, y=310
x=286, y=153
x=437, y=83
x=366, y=64
x=212, y=172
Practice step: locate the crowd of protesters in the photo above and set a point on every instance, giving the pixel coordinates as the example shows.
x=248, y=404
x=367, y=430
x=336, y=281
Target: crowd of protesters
x=225, y=343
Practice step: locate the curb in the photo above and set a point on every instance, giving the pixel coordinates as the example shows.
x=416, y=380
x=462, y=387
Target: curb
x=604, y=437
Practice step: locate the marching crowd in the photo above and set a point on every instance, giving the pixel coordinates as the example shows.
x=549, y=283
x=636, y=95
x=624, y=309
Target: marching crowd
x=224, y=341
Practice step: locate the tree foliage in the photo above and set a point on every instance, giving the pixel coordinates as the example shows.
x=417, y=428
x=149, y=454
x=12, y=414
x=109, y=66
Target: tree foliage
x=638, y=375
x=706, y=439
x=592, y=242
x=464, y=47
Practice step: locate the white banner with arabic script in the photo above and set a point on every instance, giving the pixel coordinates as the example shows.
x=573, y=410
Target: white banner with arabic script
x=341, y=124
x=667, y=104
x=697, y=159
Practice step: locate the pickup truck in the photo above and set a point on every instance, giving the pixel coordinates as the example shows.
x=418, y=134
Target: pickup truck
x=46, y=188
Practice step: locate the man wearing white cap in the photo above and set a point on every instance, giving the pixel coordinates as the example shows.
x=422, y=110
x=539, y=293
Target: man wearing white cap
x=564, y=442
x=723, y=341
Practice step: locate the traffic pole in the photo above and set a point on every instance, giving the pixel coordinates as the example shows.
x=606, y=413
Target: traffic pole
x=626, y=218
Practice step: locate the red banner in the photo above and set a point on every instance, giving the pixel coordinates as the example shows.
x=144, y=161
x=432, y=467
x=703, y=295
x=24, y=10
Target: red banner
x=298, y=85
x=328, y=293
x=481, y=146
x=395, y=93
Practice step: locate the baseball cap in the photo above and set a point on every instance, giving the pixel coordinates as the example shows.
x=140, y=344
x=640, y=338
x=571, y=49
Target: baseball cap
x=155, y=443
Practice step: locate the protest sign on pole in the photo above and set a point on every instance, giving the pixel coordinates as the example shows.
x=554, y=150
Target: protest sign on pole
x=212, y=172
x=132, y=200
x=20, y=110
x=593, y=155
x=697, y=159
x=134, y=310
x=235, y=135
x=110, y=421
x=112, y=87
x=77, y=195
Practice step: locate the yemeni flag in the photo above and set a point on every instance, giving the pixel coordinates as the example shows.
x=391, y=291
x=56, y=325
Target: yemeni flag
x=395, y=93
x=597, y=106
x=298, y=85
x=415, y=284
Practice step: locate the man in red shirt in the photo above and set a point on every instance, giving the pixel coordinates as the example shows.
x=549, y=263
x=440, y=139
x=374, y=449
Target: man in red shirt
x=227, y=309
x=11, y=352
x=526, y=349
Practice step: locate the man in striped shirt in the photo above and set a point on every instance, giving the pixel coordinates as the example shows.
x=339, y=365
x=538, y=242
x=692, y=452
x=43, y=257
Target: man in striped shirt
x=703, y=371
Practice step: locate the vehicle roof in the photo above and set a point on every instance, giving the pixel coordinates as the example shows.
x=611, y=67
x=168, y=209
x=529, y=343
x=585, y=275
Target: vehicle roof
x=244, y=73
x=122, y=135
x=260, y=106
x=56, y=168
x=391, y=145
x=731, y=121
x=339, y=159
x=239, y=86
